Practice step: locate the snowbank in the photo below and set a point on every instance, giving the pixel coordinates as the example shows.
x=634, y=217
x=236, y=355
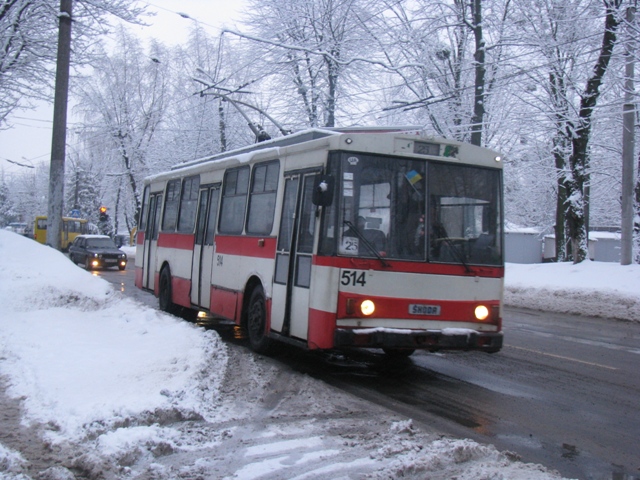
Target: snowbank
x=589, y=288
x=82, y=355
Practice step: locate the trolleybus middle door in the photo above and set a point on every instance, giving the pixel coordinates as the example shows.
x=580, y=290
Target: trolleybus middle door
x=203, y=250
x=290, y=302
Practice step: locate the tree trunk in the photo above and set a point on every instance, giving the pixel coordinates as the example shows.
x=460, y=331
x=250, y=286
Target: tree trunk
x=222, y=125
x=561, y=201
x=332, y=74
x=561, y=145
x=577, y=179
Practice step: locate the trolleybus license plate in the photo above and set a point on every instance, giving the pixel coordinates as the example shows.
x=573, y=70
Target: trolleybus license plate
x=415, y=309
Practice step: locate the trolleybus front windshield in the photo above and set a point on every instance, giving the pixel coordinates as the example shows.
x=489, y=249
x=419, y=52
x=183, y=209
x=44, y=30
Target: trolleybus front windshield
x=406, y=209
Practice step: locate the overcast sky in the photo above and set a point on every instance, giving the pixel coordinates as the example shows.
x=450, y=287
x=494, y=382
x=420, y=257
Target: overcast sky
x=29, y=141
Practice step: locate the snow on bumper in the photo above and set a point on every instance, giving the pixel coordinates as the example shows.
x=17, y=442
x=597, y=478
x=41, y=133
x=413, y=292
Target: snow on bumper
x=433, y=340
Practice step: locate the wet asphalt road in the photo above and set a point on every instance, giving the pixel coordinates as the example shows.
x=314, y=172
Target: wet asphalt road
x=564, y=391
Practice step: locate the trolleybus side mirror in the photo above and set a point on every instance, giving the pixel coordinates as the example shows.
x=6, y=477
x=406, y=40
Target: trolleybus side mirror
x=323, y=190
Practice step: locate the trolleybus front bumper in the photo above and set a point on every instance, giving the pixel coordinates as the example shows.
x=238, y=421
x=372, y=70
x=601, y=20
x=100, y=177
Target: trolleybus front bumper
x=432, y=340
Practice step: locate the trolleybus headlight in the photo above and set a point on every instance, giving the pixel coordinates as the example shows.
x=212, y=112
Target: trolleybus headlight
x=481, y=312
x=367, y=307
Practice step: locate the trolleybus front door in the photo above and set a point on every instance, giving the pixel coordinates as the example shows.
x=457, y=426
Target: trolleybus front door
x=151, y=242
x=290, y=301
x=204, y=248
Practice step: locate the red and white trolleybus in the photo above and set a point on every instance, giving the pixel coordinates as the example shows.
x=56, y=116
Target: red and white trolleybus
x=333, y=239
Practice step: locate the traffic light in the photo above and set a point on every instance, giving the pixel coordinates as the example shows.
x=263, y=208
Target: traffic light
x=103, y=214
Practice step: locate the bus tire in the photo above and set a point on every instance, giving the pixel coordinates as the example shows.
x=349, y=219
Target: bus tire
x=398, y=352
x=257, y=322
x=164, y=292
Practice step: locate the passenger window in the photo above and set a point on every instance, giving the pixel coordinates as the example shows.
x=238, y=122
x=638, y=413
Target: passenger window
x=171, y=206
x=262, y=203
x=234, y=200
x=188, y=204
x=155, y=210
x=142, y=224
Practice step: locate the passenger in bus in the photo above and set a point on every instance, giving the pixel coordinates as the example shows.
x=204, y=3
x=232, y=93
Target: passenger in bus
x=437, y=232
x=418, y=237
x=377, y=239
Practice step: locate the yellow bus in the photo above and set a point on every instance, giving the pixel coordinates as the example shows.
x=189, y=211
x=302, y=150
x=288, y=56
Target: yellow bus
x=71, y=228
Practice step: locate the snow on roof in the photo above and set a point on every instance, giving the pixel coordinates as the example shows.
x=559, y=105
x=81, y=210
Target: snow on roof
x=294, y=138
x=525, y=230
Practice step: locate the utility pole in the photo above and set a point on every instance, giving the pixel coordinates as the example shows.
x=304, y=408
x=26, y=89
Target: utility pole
x=628, y=146
x=59, y=136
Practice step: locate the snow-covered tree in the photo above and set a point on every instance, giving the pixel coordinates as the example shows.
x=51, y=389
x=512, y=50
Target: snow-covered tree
x=23, y=194
x=28, y=40
x=570, y=74
x=6, y=204
x=123, y=103
x=83, y=190
x=201, y=120
x=447, y=56
x=313, y=52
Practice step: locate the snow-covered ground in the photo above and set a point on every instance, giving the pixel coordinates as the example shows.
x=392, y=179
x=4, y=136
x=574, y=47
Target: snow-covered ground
x=599, y=289
x=95, y=383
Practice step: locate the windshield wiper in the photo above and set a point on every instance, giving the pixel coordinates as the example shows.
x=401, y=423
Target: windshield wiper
x=458, y=253
x=366, y=242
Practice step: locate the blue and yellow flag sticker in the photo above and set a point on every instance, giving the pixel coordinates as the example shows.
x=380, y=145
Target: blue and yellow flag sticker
x=413, y=177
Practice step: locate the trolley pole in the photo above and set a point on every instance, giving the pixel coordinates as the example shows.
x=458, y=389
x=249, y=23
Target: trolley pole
x=628, y=146
x=59, y=135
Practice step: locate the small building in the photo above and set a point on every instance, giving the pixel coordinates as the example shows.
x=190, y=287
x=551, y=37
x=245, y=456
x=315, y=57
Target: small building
x=604, y=246
x=522, y=245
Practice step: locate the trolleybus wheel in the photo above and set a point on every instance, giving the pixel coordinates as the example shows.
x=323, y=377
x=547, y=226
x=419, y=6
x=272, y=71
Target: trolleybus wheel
x=398, y=352
x=257, y=322
x=164, y=292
